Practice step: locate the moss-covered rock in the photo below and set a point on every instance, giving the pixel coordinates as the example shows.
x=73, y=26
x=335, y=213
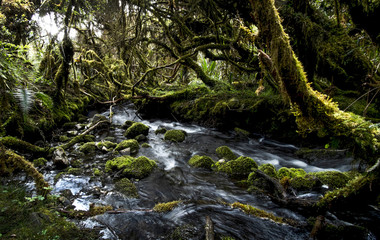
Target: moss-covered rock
x=290, y=172
x=305, y=183
x=128, y=124
x=225, y=153
x=131, y=167
x=166, y=207
x=97, y=172
x=175, y=135
x=201, y=162
x=75, y=171
x=88, y=147
x=145, y=145
x=39, y=162
x=268, y=169
x=333, y=179
x=21, y=146
x=63, y=138
x=160, y=131
x=130, y=143
x=136, y=129
x=238, y=168
x=141, y=138
x=241, y=132
x=126, y=187
x=106, y=145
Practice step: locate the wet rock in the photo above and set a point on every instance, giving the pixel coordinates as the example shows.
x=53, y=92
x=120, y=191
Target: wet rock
x=72, y=133
x=126, y=151
x=60, y=159
x=265, y=183
x=39, y=162
x=201, y=162
x=106, y=146
x=175, y=135
x=225, y=153
x=136, y=129
x=145, y=145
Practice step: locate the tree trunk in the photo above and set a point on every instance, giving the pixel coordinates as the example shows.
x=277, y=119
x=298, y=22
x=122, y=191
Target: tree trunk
x=313, y=110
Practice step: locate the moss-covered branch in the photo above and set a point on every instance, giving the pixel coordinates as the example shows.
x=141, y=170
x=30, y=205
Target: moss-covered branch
x=313, y=110
x=10, y=161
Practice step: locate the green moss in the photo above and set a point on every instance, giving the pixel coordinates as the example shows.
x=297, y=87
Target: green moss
x=136, y=129
x=21, y=146
x=75, y=171
x=238, y=168
x=242, y=132
x=97, y=172
x=201, y=162
x=333, y=179
x=160, y=131
x=78, y=139
x=39, y=162
x=166, y=207
x=248, y=209
x=107, y=145
x=145, y=145
x=131, y=167
x=225, y=153
x=175, y=135
x=307, y=182
x=88, y=147
x=128, y=124
x=130, y=143
x=64, y=138
x=291, y=172
x=29, y=218
x=268, y=169
x=126, y=187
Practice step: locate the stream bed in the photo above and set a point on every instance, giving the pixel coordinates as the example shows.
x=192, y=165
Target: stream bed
x=206, y=193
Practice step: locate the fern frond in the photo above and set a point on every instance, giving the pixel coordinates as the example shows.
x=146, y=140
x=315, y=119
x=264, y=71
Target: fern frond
x=24, y=98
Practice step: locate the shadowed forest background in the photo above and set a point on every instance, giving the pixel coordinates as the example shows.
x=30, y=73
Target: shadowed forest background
x=301, y=72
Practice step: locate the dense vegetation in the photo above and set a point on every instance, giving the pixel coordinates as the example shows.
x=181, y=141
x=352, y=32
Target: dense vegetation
x=299, y=71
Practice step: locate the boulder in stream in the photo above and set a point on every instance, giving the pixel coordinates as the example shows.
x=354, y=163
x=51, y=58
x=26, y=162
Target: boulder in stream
x=126, y=187
x=130, y=143
x=131, y=167
x=201, y=162
x=175, y=135
x=239, y=168
x=136, y=129
x=60, y=159
x=225, y=153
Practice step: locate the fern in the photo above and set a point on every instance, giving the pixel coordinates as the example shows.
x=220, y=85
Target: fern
x=24, y=98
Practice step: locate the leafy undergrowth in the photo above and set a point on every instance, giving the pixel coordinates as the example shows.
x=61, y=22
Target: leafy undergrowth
x=24, y=217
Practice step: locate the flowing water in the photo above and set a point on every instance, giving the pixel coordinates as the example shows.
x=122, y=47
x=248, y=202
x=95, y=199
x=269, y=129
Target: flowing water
x=206, y=193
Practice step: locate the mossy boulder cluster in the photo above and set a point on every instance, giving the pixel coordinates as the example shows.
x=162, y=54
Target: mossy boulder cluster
x=175, y=135
x=239, y=168
x=131, y=167
x=90, y=147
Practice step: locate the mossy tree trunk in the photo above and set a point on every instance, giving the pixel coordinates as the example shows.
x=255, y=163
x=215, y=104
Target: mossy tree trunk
x=313, y=110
